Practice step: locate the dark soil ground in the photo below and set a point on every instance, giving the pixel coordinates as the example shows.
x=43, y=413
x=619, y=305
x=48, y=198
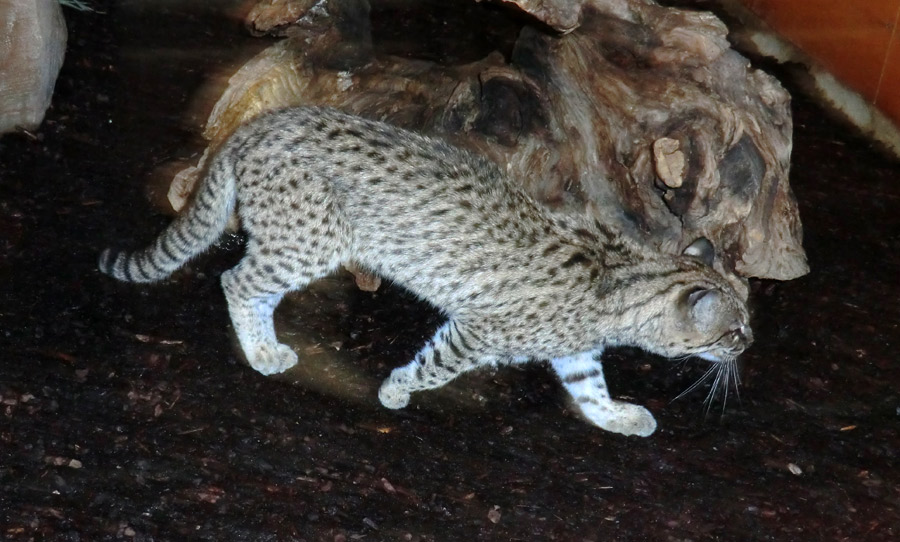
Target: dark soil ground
x=125, y=413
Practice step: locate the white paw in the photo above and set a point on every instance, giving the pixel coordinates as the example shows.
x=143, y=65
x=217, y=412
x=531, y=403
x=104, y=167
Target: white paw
x=623, y=418
x=391, y=396
x=272, y=359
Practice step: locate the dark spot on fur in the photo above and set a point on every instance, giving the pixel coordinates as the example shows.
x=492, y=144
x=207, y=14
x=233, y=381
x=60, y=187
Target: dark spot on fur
x=551, y=249
x=585, y=234
x=577, y=258
x=578, y=377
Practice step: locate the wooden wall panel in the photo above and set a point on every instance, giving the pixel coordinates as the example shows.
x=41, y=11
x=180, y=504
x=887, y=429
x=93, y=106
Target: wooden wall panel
x=855, y=40
x=888, y=98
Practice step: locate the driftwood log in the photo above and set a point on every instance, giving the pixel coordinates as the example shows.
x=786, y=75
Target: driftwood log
x=639, y=114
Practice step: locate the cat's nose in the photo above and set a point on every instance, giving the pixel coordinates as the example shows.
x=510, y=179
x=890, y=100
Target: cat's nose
x=743, y=334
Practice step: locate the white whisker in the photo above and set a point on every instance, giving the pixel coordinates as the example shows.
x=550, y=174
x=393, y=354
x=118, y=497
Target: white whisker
x=680, y=361
x=726, y=379
x=698, y=383
x=735, y=378
x=714, y=388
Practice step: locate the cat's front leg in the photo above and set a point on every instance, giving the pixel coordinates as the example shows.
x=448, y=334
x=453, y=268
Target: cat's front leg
x=450, y=352
x=582, y=376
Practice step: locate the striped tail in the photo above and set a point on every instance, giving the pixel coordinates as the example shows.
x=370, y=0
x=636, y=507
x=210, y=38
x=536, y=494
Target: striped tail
x=191, y=233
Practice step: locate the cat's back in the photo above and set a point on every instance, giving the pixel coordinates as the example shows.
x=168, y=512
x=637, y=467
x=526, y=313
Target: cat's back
x=347, y=148
x=380, y=175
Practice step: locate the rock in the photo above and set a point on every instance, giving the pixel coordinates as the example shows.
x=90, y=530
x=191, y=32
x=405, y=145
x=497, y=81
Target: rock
x=32, y=48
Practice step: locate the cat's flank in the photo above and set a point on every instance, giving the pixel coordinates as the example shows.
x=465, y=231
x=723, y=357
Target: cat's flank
x=315, y=188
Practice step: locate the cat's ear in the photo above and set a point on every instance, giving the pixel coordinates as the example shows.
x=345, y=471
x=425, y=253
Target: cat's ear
x=703, y=304
x=701, y=249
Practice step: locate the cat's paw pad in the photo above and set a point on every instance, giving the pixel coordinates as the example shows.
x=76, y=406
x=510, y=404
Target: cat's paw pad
x=391, y=396
x=623, y=418
x=273, y=359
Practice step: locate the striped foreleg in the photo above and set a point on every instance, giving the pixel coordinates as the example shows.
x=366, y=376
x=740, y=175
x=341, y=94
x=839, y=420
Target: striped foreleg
x=582, y=376
x=453, y=350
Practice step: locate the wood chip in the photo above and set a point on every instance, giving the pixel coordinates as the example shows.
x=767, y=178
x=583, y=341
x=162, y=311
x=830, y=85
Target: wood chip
x=387, y=486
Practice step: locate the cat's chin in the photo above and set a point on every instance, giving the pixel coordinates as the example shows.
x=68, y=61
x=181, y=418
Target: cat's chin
x=709, y=356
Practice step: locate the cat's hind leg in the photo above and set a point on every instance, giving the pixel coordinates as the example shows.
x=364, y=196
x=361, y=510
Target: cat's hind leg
x=582, y=376
x=452, y=350
x=255, y=287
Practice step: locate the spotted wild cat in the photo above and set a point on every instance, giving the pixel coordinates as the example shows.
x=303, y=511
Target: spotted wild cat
x=315, y=188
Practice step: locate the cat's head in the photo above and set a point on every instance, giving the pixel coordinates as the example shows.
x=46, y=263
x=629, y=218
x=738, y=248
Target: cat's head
x=703, y=314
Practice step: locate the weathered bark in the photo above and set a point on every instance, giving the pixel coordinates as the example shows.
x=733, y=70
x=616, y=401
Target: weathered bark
x=639, y=114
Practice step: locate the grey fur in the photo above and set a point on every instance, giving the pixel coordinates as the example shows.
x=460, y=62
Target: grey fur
x=315, y=188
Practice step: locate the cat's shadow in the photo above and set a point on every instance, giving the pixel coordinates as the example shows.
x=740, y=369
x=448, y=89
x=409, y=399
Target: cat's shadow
x=348, y=341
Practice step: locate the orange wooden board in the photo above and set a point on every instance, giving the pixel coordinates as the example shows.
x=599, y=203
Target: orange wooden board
x=850, y=39
x=888, y=98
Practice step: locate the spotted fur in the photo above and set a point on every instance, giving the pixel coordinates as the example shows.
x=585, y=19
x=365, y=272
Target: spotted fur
x=315, y=188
